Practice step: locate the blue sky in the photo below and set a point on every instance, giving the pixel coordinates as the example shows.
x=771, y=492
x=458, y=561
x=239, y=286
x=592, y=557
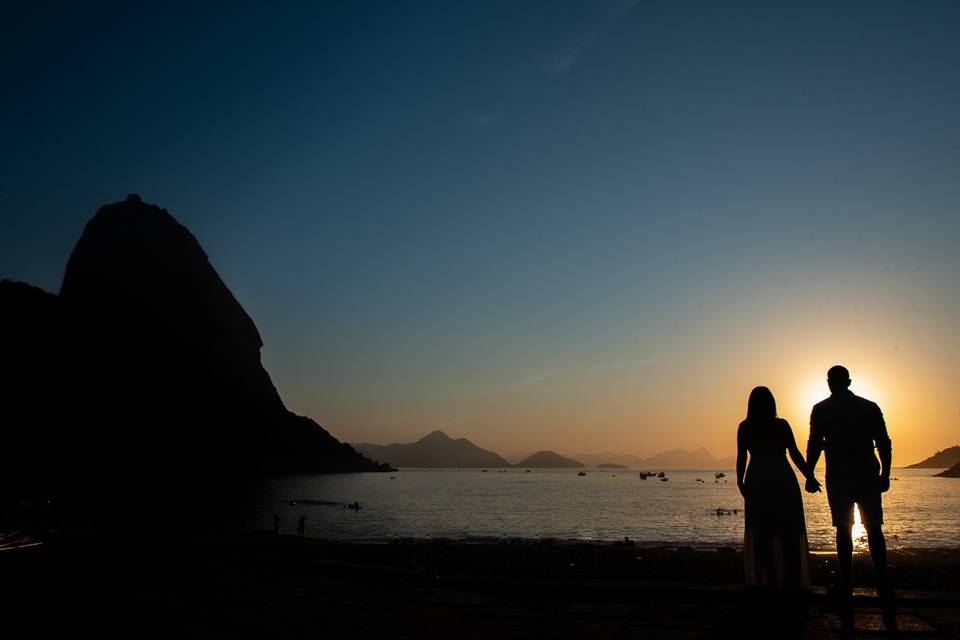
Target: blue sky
x=575, y=225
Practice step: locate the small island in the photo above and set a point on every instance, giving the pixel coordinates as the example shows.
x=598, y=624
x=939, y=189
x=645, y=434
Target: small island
x=952, y=472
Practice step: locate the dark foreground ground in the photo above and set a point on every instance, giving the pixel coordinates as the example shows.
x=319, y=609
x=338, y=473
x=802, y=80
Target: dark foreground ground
x=137, y=585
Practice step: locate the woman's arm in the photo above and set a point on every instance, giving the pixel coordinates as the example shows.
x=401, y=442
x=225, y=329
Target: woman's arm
x=796, y=456
x=741, y=459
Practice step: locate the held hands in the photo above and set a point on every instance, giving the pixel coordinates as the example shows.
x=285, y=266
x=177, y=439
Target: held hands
x=813, y=485
x=884, y=483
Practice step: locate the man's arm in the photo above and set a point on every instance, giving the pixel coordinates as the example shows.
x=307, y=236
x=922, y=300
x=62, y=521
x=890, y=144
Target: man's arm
x=884, y=448
x=814, y=449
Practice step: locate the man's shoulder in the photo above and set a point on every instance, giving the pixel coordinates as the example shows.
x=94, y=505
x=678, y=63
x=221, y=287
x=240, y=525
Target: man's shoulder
x=823, y=404
x=865, y=403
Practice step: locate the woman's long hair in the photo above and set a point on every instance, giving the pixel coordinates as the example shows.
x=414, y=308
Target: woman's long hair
x=761, y=406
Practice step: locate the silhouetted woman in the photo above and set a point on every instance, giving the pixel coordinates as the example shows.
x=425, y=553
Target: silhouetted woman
x=775, y=532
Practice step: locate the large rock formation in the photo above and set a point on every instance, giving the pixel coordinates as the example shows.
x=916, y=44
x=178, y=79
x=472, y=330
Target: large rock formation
x=153, y=370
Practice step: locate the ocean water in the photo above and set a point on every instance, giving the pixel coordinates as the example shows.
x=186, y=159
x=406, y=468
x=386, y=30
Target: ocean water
x=919, y=510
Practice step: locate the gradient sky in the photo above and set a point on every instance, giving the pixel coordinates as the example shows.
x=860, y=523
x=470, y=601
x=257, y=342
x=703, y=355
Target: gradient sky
x=583, y=226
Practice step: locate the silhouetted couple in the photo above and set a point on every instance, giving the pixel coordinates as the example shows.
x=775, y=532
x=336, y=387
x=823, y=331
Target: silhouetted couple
x=847, y=428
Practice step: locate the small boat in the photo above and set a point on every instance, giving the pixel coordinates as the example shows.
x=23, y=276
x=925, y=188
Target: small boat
x=582, y=473
x=719, y=475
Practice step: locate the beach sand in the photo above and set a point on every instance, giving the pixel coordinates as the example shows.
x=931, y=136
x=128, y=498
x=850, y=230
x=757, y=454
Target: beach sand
x=261, y=585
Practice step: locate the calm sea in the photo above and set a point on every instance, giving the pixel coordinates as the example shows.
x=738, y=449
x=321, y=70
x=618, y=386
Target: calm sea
x=919, y=510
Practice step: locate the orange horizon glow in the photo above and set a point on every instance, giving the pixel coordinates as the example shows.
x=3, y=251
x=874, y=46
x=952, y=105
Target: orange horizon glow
x=688, y=394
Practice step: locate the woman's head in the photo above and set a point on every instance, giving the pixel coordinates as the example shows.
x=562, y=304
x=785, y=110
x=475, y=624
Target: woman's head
x=761, y=405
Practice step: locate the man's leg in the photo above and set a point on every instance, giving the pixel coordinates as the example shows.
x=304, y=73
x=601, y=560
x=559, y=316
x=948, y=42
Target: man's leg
x=878, y=553
x=841, y=510
x=845, y=556
x=844, y=593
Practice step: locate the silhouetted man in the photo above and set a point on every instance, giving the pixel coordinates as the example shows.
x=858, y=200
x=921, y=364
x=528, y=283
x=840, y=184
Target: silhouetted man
x=847, y=427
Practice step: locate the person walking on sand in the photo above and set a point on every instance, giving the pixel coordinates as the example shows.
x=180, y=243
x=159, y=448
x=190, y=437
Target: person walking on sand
x=847, y=428
x=301, y=525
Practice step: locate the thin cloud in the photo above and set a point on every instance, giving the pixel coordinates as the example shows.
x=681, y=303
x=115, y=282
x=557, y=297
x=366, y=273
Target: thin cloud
x=562, y=63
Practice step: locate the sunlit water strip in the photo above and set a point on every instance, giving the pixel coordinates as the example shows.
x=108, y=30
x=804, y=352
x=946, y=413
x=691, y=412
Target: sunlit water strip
x=919, y=511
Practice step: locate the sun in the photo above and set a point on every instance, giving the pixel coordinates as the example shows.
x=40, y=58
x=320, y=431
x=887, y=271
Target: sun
x=816, y=390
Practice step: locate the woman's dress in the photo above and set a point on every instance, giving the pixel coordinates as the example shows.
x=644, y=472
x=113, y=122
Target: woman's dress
x=775, y=533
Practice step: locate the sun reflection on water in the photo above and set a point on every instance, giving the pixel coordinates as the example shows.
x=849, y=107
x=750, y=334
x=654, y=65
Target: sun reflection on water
x=859, y=532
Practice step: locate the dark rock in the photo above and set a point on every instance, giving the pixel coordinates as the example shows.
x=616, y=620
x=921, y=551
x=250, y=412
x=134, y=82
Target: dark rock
x=952, y=472
x=157, y=368
x=32, y=399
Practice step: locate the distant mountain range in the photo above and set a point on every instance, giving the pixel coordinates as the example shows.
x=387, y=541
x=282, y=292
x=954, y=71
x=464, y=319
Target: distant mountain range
x=438, y=450
x=434, y=450
x=940, y=460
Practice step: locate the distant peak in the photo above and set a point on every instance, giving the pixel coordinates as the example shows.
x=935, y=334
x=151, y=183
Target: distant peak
x=134, y=197
x=435, y=435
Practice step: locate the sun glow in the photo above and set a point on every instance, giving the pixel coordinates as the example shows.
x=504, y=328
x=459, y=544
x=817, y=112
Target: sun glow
x=818, y=390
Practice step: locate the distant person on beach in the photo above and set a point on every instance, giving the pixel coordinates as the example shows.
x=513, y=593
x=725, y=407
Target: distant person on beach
x=301, y=525
x=276, y=523
x=775, y=548
x=847, y=427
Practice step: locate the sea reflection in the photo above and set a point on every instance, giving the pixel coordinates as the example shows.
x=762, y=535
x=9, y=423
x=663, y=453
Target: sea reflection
x=468, y=504
x=859, y=532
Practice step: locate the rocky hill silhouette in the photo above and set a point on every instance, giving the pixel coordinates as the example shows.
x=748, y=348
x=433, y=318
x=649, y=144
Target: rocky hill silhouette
x=940, y=460
x=142, y=379
x=549, y=460
x=434, y=450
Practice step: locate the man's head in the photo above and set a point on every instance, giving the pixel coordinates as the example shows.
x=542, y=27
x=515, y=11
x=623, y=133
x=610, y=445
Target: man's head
x=838, y=378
